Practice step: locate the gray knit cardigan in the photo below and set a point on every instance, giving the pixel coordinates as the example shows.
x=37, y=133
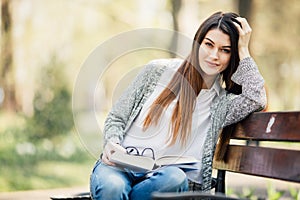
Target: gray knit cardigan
x=225, y=110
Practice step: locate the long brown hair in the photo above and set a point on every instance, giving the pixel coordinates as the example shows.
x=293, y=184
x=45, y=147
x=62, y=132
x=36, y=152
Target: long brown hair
x=187, y=82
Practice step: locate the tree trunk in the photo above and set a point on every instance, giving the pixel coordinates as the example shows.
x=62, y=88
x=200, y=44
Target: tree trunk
x=245, y=9
x=7, y=79
x=175, y=8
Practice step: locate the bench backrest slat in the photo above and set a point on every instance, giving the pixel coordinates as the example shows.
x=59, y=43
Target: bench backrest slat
x=266, y=162
x=282, y=163
x=269, y=126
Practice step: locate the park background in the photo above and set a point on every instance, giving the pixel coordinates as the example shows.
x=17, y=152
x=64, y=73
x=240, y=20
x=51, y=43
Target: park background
x=44, y=44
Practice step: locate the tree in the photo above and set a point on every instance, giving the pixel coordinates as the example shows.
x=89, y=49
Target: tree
x=175, y=8
x=245, y=8
x=7, y=80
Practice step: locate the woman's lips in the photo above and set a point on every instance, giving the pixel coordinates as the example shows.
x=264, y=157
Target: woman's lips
x=212, y=64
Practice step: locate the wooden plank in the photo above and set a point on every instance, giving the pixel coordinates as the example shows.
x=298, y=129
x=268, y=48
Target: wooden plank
x=269, y=126
x=266, y=162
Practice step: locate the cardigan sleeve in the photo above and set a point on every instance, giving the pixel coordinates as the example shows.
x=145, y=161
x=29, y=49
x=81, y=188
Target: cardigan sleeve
x=253, y=96
x=131, y=101
x=117, y=118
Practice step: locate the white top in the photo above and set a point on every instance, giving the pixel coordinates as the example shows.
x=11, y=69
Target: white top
x=155, y=137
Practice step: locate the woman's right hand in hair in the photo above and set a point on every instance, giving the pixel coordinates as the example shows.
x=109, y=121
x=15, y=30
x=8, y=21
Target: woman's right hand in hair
x=244, y=37
x=108, y=150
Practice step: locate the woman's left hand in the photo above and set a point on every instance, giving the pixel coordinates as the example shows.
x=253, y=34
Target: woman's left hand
x=244, y=38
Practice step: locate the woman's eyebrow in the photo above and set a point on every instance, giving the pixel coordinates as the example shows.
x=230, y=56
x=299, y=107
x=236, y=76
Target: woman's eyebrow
x=210, y=40
x=226, y=46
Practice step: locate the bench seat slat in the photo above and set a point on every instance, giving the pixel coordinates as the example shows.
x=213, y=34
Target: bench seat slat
x=266, y=162
x=269, y=126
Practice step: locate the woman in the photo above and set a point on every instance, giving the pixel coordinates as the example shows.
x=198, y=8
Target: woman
x=182, y=115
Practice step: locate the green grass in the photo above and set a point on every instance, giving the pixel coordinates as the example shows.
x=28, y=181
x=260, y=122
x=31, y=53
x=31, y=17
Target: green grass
x=28, y=165
x=45, y=175
x=34, y=172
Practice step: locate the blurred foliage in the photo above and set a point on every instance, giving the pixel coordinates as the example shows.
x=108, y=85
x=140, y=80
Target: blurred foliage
x=295, y=193
x=52, y=104
x=257, y=193
x=40, y=151
x=274, y=194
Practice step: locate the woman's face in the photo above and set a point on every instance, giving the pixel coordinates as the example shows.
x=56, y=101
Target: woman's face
x=214, y=53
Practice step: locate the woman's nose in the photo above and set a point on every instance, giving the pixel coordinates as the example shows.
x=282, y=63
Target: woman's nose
x=214, y=53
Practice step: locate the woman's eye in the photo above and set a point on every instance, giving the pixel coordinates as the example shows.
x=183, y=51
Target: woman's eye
x=226, y=50
x=208, y=44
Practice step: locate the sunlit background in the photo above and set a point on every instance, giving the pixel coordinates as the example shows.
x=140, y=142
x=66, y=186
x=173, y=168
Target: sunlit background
x=44, y=44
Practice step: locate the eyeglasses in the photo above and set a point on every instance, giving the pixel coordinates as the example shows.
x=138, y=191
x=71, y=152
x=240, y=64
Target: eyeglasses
x=134, y=151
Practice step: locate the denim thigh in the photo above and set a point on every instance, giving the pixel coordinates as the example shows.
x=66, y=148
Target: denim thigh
x=165, y=179
x=109, y=182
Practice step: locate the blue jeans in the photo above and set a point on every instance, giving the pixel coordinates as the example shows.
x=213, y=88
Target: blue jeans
x=108, y=182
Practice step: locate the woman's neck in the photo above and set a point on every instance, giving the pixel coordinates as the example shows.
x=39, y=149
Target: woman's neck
x=208, y=81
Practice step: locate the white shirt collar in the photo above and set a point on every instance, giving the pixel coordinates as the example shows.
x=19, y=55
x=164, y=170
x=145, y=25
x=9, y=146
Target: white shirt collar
x=216, y=86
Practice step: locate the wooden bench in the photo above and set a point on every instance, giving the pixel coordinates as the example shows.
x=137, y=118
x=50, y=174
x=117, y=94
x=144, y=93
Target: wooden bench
x=270, y=162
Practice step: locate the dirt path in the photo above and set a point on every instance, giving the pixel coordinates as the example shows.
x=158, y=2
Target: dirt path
x=41, y=194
